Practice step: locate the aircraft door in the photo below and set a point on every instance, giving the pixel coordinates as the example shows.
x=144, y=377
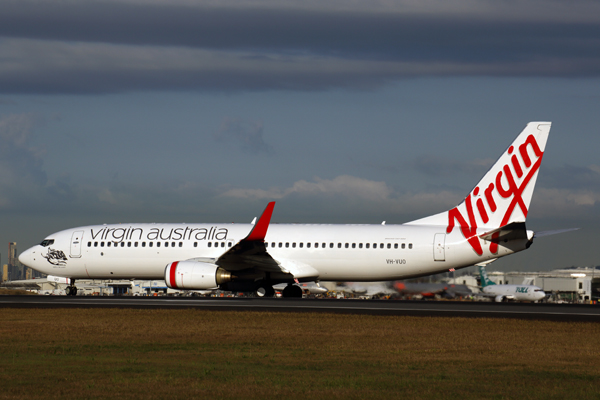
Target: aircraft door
x=76, y=244
x=439, y=247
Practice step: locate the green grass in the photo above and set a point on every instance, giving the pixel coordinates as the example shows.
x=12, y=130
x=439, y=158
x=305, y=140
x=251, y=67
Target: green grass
x=190, y=353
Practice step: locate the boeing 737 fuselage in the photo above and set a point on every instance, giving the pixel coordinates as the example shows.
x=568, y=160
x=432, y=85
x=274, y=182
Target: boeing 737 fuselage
x=488, y=224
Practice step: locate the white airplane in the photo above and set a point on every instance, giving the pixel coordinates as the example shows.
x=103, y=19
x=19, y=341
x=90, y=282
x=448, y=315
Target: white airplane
x=509, y=292
x=488, y=224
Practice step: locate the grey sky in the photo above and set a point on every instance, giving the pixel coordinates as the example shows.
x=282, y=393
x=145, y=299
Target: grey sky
x=205, y=111
x=115, y=47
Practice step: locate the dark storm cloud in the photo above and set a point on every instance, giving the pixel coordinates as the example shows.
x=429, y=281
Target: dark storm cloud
x=354, y=34
x=107, y=47
x=56, y=67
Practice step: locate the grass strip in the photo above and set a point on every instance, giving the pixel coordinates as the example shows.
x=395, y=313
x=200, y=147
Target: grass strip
x=108, y=353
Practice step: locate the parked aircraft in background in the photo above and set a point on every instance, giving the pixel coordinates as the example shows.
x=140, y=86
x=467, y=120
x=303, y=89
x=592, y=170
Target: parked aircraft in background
x=488, y=224
x=307, y=288
x=509, y=292
x=445, y=290
x=369, y=289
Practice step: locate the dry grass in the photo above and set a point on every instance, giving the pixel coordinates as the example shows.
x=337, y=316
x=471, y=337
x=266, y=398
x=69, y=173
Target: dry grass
x=14, y=292
x=108, y=353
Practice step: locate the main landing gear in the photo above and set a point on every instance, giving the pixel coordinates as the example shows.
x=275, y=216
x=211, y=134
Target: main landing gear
x=265, y=290
x=290, y=291
x=71, y=290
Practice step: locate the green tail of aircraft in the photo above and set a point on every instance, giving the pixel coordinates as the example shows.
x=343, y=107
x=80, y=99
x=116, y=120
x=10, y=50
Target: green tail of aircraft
x=485, y=281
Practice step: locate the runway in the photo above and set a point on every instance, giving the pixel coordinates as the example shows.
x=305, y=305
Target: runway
x=557, y=312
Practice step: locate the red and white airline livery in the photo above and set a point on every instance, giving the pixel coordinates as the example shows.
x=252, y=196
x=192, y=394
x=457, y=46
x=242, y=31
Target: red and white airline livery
x=488, y=224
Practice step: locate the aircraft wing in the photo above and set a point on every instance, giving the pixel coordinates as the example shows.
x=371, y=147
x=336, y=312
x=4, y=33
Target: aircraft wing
x=251, y=252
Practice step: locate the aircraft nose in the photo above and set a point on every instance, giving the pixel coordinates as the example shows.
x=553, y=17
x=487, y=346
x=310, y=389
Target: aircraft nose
x=27, y=257
x=540, y=295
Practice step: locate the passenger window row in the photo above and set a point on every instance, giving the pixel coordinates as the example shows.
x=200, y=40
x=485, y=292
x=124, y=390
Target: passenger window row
x=316, y=245
x=151, y=244
x=273, y=245
x=134, y=244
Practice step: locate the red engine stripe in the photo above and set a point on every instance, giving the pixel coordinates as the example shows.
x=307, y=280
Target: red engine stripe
x=173, y=275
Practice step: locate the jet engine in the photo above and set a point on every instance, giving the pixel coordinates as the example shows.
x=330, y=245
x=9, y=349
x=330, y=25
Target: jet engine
x=195, y=275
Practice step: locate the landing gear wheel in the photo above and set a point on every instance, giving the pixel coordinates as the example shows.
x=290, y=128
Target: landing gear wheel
x=292, y=291
x=71, y=290
x=265, y=291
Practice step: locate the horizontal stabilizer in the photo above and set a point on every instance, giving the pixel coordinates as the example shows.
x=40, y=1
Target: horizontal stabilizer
x=485, y=263
x=512, y=231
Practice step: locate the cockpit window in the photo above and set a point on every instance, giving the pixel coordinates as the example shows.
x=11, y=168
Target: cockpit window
x=47, y=242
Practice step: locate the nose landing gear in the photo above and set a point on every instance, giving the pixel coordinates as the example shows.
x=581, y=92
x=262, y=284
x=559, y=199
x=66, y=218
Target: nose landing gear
x=71, y=290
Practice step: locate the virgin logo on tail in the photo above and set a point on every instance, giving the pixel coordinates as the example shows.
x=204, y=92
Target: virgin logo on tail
x=510, y=183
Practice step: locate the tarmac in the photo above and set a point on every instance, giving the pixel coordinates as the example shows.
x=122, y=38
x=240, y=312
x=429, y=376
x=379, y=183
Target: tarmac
x=536, y=311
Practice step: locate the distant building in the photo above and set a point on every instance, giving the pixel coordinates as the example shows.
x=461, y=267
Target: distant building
x=464, y=280
x=14, y=269
x=12, y=253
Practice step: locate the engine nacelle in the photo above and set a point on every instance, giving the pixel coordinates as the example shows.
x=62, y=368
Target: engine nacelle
x=194, y=275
